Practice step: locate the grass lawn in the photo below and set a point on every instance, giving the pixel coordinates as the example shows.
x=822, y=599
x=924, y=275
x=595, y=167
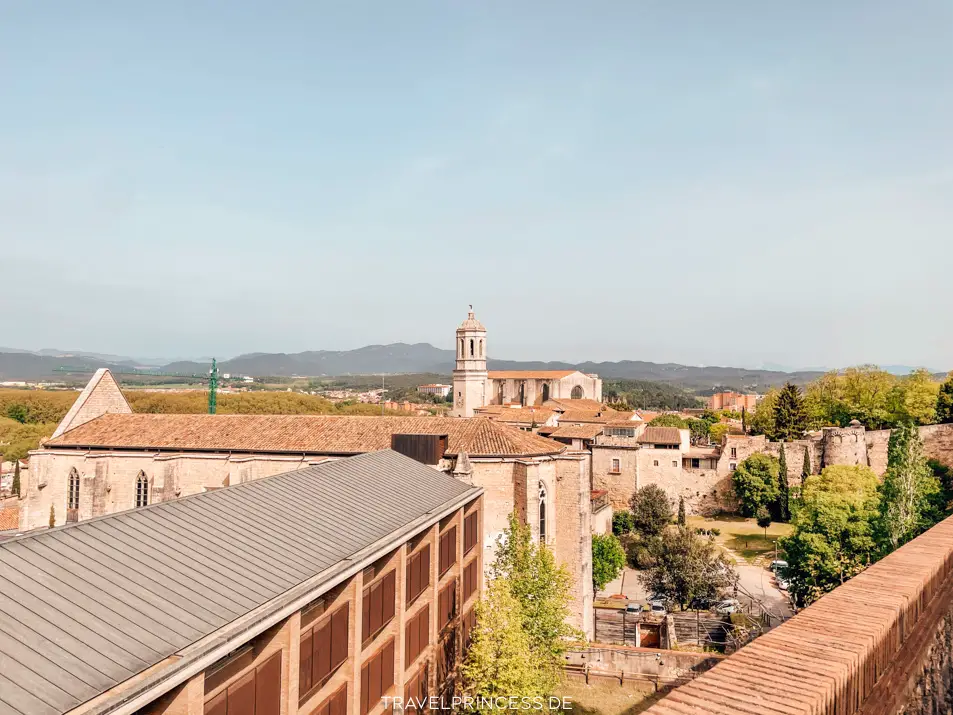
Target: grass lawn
x=607, y=697
x=743, y=536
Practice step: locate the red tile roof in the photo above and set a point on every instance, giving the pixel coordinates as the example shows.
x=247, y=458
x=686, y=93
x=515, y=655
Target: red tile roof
x=576, y=432
x=581, y=404
x=299, y=434
x=661, y=435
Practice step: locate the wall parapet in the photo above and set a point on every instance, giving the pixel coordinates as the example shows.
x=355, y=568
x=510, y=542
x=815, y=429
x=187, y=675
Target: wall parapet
x=835, y=656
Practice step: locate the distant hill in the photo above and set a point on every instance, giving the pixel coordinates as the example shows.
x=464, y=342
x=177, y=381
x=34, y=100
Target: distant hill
x=408, y=358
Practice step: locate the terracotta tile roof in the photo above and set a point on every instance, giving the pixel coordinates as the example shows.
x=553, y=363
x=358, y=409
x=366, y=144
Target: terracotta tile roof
x=529, y=374
x=521, y=415
x=594, y=416
x=311, y=434
x=661, y=435
x=577, y=432
x=583, y=404
x=10, y=515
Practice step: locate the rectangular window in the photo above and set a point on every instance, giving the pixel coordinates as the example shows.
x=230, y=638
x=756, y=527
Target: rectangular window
x=377, y=677
x=323, y=650
x=378, y=607
x=732, y=466
x=335, y=704
x=655, y=462
x=447, y=605
x=416, y=636
x=616, y=466
x=446, y=657
x=257, y=692
x=418, y=574
x=696, y=463
x=469, y=623
x=470, y=578
x=674, y=462
x=734, y=452
x=448, y=549
x=471, y=531
x=417, y=691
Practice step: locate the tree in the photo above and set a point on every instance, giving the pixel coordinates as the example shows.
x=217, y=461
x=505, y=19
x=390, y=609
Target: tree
x=669, y=420
x=686, y=567
x=744, y=420
x=541, y=587
x=833, y=537
x=651, y=510
x=764, y=519
x=700, y=430
x=681, y=511
x=717, y=432
x=761, y=421
x=500, y=661
x=914, y=398
x=16, y=477
x=755, y=482
x=790, y=415
x=608, y=560
x=622, y=522
x=907, y=489
x=18, y=413
x=806, y=470
x=944, y=402
x=52, y=516
x=784, y=488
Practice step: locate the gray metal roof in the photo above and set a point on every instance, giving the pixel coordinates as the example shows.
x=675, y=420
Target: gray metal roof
x=86, y=606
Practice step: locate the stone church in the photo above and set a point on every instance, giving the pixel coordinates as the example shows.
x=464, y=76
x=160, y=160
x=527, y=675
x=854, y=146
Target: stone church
x=475, y=387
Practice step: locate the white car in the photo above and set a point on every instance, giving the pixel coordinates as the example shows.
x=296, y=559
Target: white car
x=728, y=607
x=783, y=584
x=778, y=565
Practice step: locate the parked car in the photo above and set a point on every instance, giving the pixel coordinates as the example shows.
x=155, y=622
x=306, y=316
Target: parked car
x=784, y=584
x=633, y=608
x=728, y=606
x=658, y=607
x=778, y=565
x=701, y=603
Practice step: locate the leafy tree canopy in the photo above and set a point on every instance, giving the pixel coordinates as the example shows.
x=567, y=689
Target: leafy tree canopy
x=686, y=567
x=790, y=414
x=608, y=560
x=908, y=488
x=755, y=482
x=651, y=510
x=669, y=421
x=944, y=401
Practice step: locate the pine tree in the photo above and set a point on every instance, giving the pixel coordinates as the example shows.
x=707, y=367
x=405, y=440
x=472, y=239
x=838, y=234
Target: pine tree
x=16, y=477
x=806, y=470
x=681, y=511
x=784, y=488
x=790, y=414
x=500, y=661
x=744, y=420
x=52, y=516
x=944, y=402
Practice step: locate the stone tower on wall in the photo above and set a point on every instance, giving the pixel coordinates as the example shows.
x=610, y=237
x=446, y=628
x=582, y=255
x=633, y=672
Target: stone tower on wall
x=469, y=375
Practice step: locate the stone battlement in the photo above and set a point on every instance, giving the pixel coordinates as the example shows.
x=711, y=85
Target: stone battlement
x=878, y=645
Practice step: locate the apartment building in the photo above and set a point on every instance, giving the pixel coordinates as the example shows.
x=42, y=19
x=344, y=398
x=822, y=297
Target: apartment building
x=321, y=590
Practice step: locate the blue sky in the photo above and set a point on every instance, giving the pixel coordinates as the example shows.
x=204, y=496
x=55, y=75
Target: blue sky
x=711, y=183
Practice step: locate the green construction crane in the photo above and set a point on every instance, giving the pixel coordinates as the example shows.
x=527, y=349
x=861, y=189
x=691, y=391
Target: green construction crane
x=212, y=378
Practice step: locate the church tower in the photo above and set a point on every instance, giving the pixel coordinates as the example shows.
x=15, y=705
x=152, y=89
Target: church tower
x=469, y=375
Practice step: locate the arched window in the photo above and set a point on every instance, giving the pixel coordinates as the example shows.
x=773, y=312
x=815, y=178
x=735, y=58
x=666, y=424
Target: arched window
x=471, y=347
x=542, y=515
x=481, y=348
x=523, y=394
x=462, y=350
x=72, y=492
x=142, y=490
x=576, y=393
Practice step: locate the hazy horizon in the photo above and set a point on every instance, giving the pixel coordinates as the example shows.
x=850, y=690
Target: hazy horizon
x=735, y=184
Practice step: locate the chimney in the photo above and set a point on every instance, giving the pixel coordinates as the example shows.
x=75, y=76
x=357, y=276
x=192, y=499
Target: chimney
x=425, y=448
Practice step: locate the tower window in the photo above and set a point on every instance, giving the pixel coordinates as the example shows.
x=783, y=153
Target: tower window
x=142, y=490
x=481, y=348
x=471, y=347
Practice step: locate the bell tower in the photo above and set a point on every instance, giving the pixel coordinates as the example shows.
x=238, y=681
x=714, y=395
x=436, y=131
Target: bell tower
x=469, y=374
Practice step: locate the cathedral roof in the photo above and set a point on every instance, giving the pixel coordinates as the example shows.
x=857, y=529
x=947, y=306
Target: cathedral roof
x=529, y=374
x=298, y=434
x=471, y=323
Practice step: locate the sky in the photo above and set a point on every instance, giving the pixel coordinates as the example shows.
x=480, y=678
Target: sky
x=734, y=183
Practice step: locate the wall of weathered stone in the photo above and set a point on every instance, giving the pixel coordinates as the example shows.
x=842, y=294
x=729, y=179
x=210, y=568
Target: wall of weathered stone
x=938, y=442
x=620, y=484
x=933, y=692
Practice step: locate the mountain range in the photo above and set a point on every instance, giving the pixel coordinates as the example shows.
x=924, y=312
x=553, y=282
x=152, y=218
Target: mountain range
x=18, y=364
